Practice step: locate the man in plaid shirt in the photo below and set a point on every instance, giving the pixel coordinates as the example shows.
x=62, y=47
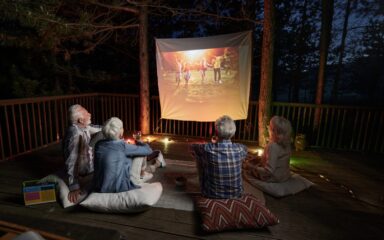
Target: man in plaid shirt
x=219, y=163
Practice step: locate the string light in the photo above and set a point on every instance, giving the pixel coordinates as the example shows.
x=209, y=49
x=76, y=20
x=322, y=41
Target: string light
x=259, y=151
x=167, y=140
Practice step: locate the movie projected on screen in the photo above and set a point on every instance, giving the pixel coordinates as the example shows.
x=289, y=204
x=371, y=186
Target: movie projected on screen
x=201, y=79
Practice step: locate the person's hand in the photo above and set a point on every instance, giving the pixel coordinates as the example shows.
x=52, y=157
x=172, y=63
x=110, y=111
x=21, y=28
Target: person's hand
x=73, y=195
x=139, y=142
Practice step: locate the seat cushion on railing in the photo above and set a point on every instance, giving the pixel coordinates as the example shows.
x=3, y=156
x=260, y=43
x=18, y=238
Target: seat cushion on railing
x=246, y=212
x=293, y=185
x=136, y=200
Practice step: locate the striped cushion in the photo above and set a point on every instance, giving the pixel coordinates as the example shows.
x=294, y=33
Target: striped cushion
x=224, y=214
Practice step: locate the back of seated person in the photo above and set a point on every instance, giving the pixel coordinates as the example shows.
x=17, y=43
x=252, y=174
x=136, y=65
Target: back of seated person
x=113, y=160
x=219, y=163
x=78, y=154
x=274, y=166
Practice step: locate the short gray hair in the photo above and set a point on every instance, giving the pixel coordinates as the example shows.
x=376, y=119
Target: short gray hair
x=112, y=128
x=225, y=127
x=73, y=113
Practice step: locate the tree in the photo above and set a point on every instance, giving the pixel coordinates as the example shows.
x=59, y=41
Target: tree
x=295, y=49
x=300, y=50
x=369, y=65
x=70, y=34
x=144, y=78
x=267, y=52
x=341, y=52
x=325, y=36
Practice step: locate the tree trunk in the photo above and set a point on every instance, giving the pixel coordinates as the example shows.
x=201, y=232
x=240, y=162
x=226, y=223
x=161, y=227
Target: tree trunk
x=341, y=53
x=144, y=76
x=265, y=98
x=326, y=26
x=296, y=76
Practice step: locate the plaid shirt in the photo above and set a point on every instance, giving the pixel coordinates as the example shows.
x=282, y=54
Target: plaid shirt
x=219, y=166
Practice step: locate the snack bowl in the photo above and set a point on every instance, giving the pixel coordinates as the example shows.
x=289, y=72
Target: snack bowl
x=180, y=181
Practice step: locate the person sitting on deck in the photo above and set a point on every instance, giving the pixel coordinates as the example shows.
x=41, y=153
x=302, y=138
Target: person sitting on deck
x=274, y=165
x=78, y=154
x=219, y=163
x=119, y=166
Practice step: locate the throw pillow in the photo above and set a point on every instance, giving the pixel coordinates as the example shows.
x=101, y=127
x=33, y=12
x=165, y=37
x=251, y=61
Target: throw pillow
x=226, y=214
x=136, y=200
x=293, y=185
x=62, y=188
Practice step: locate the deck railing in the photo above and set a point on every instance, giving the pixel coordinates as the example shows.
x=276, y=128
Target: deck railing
x=29, y=124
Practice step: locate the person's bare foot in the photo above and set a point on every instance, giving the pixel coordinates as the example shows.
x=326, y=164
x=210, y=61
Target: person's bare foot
x=146, y=176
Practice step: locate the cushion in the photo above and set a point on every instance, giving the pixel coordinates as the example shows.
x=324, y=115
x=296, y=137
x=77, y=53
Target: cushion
x=293, y=185
x=130, y=201
x=62, y=189
x=136, y=200
x=227, y=214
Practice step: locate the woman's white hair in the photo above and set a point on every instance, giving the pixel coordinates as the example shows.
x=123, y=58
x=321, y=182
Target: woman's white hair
x=112, y=128
x=280, y=131
x=74, y=113
x=225, y=127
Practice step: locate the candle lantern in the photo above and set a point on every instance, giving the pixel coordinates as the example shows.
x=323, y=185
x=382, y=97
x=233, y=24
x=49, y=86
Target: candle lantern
x=300, y=142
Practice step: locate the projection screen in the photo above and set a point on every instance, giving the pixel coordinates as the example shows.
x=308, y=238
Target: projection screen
x=201, y=79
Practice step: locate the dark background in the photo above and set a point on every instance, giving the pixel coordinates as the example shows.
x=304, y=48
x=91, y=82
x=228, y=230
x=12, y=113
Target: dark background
x=53, y=47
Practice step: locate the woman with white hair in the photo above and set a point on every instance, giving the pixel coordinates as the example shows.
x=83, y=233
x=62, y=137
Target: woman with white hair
x=113, y=160
x=275, y=160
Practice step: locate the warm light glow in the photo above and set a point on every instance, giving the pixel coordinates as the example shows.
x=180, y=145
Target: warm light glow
x=193, y=55
x=259, y=151
x=167, y=140
x=128, y=140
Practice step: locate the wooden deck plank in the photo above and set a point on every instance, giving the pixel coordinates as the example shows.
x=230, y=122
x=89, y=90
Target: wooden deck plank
x=325, y=209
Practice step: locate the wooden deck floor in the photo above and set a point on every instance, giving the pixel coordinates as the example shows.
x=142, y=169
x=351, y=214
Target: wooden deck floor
x=327, y=211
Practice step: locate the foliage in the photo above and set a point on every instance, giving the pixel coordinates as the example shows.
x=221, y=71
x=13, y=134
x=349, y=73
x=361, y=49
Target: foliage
x=23, y=87
x=91, y=45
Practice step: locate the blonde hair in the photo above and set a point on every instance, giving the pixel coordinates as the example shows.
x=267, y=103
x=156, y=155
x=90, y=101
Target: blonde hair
x=225, y=127
x=112, y=128
x=280, y=130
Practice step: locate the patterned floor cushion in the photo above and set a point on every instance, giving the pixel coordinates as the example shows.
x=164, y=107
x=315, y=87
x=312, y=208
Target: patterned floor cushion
x=295, y=184
x=226, y=214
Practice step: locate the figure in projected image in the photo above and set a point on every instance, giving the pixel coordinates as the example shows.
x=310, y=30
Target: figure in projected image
x=203, y=68
x=179, y=70
x=219, y=162
x=78, y=154
x=216, y=62
x=274, y=165
x=187, y=72
x=227, y=62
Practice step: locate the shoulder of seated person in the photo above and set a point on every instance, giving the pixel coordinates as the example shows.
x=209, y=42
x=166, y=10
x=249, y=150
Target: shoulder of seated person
x=72, y=130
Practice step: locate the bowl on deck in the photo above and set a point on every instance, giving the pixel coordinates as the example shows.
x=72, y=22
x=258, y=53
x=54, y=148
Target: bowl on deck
x=180, y=181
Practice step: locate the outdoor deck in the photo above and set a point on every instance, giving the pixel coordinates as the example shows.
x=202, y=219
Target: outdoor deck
x=346, y=202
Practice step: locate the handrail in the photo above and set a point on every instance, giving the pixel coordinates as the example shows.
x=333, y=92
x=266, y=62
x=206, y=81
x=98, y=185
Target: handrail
x=32, y=123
